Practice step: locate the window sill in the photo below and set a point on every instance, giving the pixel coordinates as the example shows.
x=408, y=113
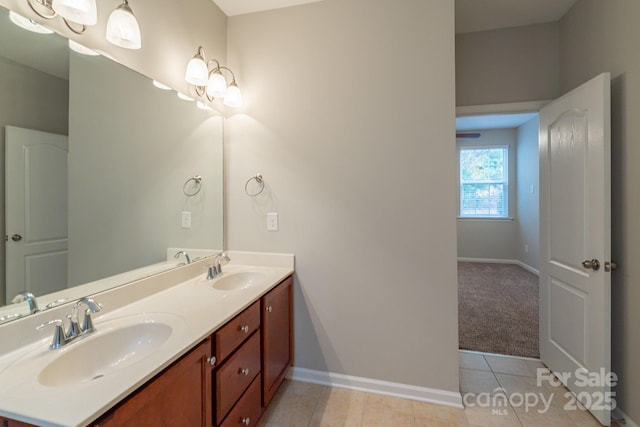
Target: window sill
x=480, y=218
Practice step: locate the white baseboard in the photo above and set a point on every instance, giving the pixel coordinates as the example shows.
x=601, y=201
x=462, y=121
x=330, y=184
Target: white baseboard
x=619, y=414
x=502, y=261
x=405, y=391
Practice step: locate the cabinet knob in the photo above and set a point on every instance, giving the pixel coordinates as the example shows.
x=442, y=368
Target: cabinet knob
x=212, y=360
x=245, y=329
x=246, y=421
x=244, y=371
x=268, y=309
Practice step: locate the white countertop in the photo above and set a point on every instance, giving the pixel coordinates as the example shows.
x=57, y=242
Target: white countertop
x=193, y=308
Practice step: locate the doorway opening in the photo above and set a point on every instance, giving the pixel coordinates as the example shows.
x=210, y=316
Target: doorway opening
x=498, y=233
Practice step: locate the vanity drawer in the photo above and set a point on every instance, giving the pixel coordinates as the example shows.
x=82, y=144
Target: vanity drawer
x=231, y=335
x=248, y=409
x=234, y=376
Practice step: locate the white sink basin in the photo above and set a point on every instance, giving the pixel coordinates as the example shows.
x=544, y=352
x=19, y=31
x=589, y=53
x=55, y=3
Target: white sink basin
x=90, y=359
x=230, y=281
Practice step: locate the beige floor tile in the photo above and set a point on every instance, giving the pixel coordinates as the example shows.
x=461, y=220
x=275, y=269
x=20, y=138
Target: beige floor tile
x=491, y=417
x=340, y=408
x=431, y=415
x=375, y=416
x=293, y=405
x=553, y=417
x=477, y=382
x=534, y=365
x=472, y=361
x=389, y=403
x=510, y=365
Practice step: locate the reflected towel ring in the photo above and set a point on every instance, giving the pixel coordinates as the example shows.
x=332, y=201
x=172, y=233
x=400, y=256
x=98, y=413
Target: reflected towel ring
x=259, y=180
x=197, y=183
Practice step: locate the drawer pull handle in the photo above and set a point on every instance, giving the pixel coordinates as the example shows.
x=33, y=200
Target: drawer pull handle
x=245, y=329
x=246, y=421
x=212, y=361
x=269, y=309
x=244, y=371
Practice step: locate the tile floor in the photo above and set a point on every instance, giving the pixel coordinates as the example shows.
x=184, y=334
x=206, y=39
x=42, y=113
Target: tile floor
x=301, y=404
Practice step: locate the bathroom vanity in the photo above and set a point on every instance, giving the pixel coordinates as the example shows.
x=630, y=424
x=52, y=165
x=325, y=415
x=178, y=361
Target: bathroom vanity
x=214, y=354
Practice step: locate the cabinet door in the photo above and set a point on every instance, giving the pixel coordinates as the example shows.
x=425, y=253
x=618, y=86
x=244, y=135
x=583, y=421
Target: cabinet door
x=5, y=422
x=179, y=396
x=277, y=337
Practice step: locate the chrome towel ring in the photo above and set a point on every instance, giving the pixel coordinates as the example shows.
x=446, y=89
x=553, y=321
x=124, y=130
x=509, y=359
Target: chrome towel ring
x=197, y=186
x=258, y=179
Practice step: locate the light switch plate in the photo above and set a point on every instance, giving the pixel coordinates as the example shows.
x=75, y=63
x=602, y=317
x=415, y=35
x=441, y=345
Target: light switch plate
x=186, y=219
x=272, y=221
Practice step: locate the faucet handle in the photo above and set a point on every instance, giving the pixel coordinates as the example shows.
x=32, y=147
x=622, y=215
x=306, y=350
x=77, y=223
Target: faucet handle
x=74, y=328
x=87, y=324
x=211, y=272
x=59, y=336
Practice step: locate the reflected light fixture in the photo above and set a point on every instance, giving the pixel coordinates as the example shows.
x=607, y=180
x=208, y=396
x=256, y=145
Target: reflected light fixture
x=79, y=12
x=160, y=85
x=83, y=12
x=185, y=97
x=123, y=29
x=28, y=24
x=81, y=49
x=210, y=83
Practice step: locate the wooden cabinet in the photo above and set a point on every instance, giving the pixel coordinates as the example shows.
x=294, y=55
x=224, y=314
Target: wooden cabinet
x=277, y=338
x=227, y=380
x=179, y=396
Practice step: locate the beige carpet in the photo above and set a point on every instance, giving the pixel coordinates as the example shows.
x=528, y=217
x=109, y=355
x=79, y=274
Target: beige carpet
x=498, y=309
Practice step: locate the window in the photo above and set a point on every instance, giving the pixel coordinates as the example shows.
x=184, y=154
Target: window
x=484, y=182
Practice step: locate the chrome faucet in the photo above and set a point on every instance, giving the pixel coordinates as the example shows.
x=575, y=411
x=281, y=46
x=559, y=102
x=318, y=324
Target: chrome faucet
x=29, y=298
x=87, y=324
x=62, y=337
x=215, y=270
x=186, y=256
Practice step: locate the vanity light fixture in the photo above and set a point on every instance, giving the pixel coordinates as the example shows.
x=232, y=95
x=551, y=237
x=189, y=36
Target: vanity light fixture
x=81, y=49
x=79, y=12
x=209, y=82
x=28, y=24
x=123, y=29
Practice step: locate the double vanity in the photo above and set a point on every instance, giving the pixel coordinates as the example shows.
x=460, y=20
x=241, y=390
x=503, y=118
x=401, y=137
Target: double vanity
x=178, y=348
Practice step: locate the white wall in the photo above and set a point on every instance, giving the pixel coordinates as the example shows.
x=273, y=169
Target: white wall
x=131, y=148
x=598, y=36
x=528, y=245
x=492, y=238
x=507, y=65
x=350, y=118
x=33, y=100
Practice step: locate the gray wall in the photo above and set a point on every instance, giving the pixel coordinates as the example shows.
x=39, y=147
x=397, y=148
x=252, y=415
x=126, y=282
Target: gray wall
x=599, y=36
x=528, y=195
x=507, y=65
x=33, y=100
x=492, y=238
x=131, y=148
x=350, y=118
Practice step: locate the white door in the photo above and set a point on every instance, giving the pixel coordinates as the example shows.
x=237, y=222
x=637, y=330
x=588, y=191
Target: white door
x=36, y=211
x=575, y=228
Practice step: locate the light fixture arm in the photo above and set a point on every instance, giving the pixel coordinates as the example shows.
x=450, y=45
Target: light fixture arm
x=47, y=4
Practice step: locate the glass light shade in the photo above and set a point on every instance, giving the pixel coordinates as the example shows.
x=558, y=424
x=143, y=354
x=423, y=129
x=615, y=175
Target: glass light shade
x=161, y=85
x=197, y=73
x=185, y=97
x=82, y=49
x=79, y=11
x=123, y=29
x=217, y=85
x=233, y=98
x=28, y=24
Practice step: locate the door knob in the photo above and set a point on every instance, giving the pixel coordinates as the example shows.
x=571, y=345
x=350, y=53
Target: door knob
x=16, y=237
x=594, y=264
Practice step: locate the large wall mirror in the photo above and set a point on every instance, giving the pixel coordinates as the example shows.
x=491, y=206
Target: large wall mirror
x=98, y=170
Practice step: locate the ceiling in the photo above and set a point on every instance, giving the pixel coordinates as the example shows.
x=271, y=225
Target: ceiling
x=239, y=7
x=482, y=15
x=493, y=121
